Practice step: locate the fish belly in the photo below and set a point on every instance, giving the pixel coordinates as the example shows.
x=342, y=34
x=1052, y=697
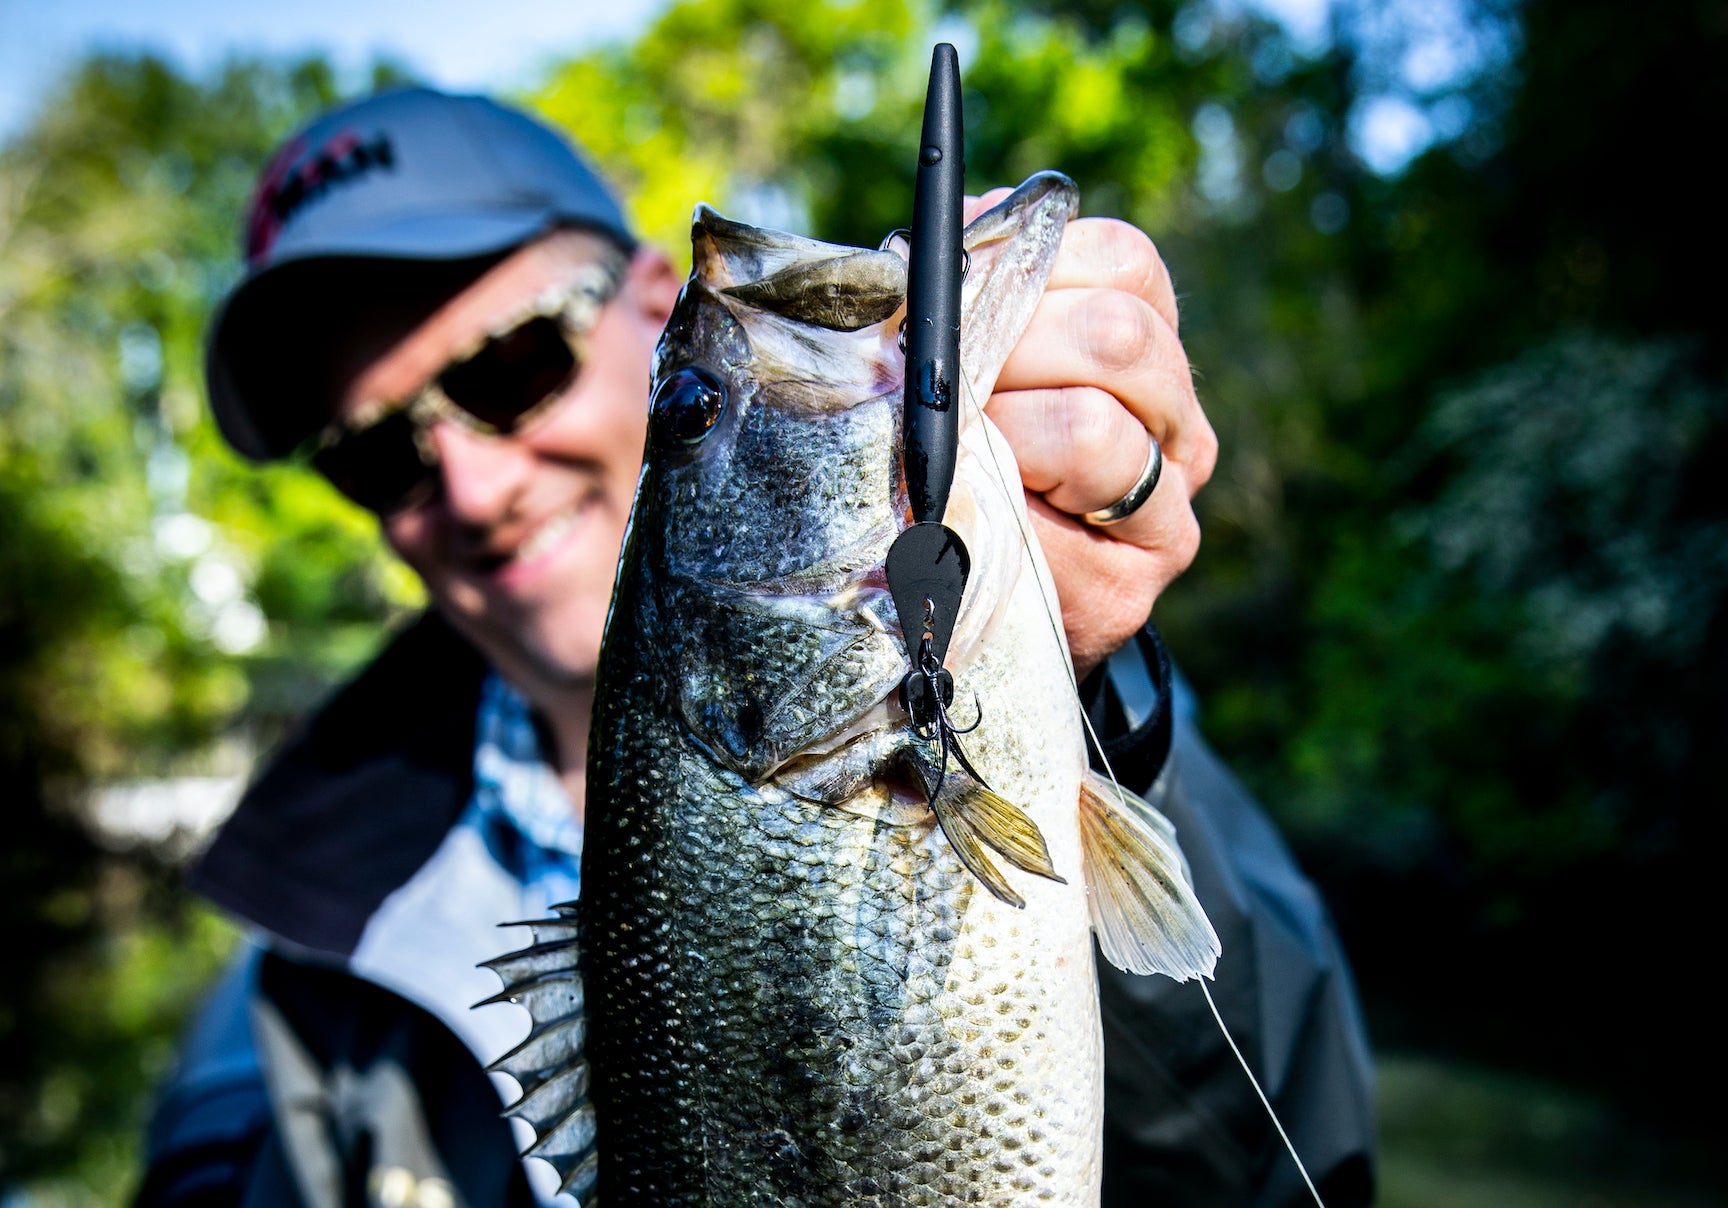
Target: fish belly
x=798, y=1004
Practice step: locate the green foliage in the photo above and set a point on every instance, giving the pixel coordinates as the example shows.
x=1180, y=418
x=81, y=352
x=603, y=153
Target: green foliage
x=697, y=110
x=152, y=589
x=1457, y=1133
x=1460, y=615
x=115, y=244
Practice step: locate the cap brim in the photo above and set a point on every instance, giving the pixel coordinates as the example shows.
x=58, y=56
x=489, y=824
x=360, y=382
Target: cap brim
x=261, y=352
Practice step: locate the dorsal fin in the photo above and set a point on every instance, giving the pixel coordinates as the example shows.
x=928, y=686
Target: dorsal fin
x=549, y=1064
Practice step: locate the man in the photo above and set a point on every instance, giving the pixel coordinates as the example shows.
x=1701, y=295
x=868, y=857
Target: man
x=447, y=306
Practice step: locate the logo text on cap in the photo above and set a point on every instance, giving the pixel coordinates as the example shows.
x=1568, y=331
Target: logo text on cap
x=293, y=180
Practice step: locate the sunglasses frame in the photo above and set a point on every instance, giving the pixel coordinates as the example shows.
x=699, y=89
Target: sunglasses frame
x=575, y=304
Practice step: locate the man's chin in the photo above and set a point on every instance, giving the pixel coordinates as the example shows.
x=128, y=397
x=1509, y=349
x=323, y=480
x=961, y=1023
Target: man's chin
x=564, y=669
x=557, y=661
x=543, y=661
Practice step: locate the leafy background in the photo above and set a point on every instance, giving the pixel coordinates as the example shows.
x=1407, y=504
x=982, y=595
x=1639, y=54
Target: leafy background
x=1460, y=615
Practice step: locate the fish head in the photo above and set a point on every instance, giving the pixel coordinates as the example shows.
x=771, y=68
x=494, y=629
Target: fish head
x=772, y=485
x=770, y=493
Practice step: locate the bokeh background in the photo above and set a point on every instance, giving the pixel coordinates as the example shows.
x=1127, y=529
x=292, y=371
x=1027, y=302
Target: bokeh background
x=1452, y=278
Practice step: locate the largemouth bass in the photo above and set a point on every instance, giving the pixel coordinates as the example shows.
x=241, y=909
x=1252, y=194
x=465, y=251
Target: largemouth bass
x=816, y=961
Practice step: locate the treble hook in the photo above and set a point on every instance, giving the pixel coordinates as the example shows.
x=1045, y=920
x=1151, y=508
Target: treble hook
x=927, y=692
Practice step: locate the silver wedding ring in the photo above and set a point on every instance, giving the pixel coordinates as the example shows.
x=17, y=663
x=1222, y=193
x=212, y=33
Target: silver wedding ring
x=1137, y=494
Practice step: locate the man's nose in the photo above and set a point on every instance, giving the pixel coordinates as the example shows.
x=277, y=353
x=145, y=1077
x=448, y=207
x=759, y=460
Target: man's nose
x=483, y=475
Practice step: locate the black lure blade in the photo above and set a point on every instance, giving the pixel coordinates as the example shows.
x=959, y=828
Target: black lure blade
x=927, y=569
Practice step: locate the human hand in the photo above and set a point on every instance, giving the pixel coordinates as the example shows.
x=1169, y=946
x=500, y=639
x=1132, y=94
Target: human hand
x=1099, y=368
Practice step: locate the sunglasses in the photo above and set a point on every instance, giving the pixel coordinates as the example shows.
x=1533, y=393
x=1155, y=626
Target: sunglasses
x=384, y=458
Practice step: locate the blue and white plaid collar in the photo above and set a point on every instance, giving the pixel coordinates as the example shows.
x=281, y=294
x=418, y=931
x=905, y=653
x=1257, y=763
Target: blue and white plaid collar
x=519, y=804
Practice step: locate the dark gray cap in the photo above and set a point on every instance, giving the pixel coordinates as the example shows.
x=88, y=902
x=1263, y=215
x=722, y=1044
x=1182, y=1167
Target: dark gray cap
x=396, y=188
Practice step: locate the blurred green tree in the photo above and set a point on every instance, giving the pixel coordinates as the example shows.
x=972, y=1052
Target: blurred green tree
x=1476, y=643
x=1460, y=616
x=155, y=595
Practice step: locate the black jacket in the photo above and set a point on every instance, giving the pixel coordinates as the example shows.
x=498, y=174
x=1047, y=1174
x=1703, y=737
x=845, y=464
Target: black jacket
x=304, y=1082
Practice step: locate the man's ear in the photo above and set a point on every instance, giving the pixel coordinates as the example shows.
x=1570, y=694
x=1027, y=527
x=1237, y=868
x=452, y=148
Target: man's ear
x=653, y=283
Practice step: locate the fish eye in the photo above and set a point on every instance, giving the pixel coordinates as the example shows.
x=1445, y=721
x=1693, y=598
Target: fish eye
x=688, y=404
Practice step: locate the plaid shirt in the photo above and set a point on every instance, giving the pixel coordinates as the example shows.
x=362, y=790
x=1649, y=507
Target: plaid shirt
x=519, y=806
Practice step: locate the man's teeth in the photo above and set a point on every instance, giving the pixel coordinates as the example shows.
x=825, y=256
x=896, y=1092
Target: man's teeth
x=545, y=537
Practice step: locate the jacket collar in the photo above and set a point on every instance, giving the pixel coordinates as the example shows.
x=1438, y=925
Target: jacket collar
x=361, y=797
x=357, y=800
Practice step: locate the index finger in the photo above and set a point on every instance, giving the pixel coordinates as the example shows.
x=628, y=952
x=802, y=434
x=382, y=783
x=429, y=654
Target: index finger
x=1107, y=253
x=1104, y=253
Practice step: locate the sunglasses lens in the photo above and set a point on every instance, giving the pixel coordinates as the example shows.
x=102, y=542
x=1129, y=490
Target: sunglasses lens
x=379, y=468
x=512, y=374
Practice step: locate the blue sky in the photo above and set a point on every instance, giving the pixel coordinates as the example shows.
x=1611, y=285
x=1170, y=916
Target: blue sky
x=500, y=44
x=453, y=43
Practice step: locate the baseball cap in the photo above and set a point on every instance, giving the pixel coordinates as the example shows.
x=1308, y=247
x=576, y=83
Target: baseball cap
x=412, y=190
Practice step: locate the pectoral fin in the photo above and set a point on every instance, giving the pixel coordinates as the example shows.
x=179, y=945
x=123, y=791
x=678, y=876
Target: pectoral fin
x=1144, y=911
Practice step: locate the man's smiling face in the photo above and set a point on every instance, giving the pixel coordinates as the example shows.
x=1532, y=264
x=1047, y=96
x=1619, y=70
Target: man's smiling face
x=519, y=545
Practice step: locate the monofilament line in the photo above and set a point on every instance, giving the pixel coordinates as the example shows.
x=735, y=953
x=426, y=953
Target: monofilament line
x=1015, y=502
x=1276, y=1123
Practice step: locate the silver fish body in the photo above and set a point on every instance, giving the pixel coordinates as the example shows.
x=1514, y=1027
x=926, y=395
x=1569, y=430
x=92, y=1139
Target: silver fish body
x=800, y=980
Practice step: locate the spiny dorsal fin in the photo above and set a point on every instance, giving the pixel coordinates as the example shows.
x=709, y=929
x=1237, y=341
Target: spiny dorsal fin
x=549, y=1064
x=1144, y=911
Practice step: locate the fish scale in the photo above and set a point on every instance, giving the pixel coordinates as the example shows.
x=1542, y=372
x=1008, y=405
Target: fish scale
x=798, y=972
x=907, y=1042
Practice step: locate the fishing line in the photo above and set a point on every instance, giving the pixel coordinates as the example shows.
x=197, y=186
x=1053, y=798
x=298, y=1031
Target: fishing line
x=1276, y=1123
x=1015, y=503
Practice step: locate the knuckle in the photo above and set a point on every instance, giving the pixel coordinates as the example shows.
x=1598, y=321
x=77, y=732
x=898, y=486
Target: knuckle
x=1090, y=421
x=1202, y=458
x=1130, y=250
x=1136, y=264
x=1161, y=288
x=1184, y=543
x=1117, y=331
